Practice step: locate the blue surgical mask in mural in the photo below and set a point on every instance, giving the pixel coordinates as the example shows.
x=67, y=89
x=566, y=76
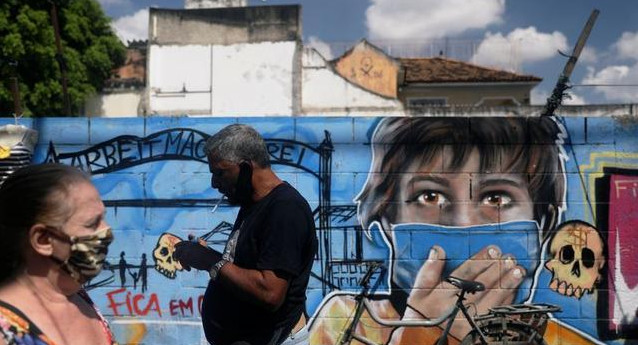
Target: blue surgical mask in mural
x=413, y=241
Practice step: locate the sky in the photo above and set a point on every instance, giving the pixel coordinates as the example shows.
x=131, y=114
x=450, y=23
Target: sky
x=522, y=36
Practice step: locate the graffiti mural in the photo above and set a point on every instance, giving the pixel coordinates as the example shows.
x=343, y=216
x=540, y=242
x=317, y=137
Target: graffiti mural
x=538, y=209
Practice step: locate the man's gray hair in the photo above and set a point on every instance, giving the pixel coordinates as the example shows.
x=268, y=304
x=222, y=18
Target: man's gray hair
x=237, y=143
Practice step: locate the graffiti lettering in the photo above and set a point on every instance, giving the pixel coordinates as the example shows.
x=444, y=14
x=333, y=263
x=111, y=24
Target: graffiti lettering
x=627, y=186
x=121, y=298
x=122, y=302
x=285, y=152
x=128, y=150
x=181, y=307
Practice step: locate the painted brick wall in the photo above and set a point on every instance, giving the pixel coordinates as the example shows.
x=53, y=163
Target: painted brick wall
x=154, y=180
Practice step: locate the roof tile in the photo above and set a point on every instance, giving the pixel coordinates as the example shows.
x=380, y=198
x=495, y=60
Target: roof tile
x=443, y=70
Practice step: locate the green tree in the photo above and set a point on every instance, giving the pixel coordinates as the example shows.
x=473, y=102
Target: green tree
x=28, y=51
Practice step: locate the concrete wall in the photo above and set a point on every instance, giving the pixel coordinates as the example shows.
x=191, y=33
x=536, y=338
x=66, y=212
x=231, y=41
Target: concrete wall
x=153, y=177
x=469, y=94
x=369, y=67
x=225, y=25
x=239, y=79
x=120, y=104
x=325, y=91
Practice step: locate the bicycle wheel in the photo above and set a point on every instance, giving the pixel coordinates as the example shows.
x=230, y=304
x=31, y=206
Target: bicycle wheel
x=512, y=334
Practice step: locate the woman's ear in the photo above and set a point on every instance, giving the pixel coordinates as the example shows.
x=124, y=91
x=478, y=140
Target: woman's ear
x=41, y=240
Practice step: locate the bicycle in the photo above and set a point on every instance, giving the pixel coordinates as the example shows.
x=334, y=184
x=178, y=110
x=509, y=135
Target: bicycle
x=518, y=324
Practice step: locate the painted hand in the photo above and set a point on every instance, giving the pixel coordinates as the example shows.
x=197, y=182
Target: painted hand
x=432, y=296
x=193, y=254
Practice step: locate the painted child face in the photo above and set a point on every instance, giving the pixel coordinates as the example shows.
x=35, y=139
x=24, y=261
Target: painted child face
x=435, y=194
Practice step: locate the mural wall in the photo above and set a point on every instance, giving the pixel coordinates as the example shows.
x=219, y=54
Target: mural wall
x=540, y=210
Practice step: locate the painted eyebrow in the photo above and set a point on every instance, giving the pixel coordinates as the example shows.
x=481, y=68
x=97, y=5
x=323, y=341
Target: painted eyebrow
x=502, y=181
x=429, y=178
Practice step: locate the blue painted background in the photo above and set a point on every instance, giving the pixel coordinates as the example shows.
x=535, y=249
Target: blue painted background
x=139, y=196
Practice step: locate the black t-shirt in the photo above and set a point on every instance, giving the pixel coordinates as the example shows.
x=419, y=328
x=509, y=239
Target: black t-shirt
x=277, y=233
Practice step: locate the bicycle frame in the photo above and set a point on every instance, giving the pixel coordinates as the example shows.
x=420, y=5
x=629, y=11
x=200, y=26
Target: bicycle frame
x=450, y=316
x=361, y=302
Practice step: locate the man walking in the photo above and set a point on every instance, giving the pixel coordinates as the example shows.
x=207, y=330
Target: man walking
x=257, y=288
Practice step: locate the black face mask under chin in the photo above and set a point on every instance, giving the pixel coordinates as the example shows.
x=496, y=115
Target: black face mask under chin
x=244, y=185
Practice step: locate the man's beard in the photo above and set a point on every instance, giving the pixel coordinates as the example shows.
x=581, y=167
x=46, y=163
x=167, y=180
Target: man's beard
x=243, y=193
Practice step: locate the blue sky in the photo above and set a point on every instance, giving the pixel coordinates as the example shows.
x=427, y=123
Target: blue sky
x=523, y=36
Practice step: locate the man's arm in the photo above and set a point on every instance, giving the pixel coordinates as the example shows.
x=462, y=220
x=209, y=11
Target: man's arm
x=262, y=287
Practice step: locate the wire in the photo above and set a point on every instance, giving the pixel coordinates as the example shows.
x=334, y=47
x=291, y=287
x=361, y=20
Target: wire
x=607, y=85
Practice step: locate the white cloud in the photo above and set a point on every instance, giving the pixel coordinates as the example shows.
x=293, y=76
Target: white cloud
x=615, y=75
x=588, y=55
x=573, y=99
x=322, y=47
x=627, y=45
x=133, y=27
x=520, y=46
x=538, y=96
x=430, y=19
x=108, y=3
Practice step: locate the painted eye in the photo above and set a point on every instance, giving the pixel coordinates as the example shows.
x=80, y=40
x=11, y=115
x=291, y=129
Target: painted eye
x=431, y=198
x=497, y=200
x=589, y=258
x=566, y=254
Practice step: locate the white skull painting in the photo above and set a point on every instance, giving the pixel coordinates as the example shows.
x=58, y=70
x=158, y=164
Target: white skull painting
x=163, y=255
x=577, y=259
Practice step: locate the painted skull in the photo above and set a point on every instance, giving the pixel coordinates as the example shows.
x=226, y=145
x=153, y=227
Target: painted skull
x=577, y=259
x=163, y=255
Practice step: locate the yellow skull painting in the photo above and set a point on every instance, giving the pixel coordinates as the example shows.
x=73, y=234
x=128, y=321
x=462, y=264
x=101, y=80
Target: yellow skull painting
x=576, y=251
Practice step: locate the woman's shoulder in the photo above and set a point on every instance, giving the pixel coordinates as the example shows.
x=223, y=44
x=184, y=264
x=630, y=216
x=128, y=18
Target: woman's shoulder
x=17, y=329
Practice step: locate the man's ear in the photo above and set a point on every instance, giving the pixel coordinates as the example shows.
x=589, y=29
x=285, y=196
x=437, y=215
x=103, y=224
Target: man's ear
x=41, y=240
x=246, y=165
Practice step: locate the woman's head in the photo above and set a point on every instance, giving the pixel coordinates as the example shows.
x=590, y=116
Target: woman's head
x=36, y=194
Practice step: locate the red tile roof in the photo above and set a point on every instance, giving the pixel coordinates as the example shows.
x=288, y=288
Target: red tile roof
x=442, y=70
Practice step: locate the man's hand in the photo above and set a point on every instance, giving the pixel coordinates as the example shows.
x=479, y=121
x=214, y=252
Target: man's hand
x=431, y=296
x=192, y=254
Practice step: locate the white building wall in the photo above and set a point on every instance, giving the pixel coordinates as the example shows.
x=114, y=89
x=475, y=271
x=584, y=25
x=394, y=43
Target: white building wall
x=326, y=92
x=239, y=79
x=179, y=79
x=120, y=104
x=253, y=79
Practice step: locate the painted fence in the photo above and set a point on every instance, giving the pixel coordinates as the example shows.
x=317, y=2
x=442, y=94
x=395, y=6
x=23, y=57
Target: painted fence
x=558, y=198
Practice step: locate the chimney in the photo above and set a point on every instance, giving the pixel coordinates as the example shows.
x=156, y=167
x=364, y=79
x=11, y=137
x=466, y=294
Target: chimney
x=214, y=3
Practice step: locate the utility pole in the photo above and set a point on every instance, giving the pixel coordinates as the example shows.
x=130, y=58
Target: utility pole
x=15, y=89
x=561, y=85
x=60, y=57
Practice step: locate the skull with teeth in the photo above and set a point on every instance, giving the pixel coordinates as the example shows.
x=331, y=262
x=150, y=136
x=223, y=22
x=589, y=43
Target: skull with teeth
x=163, y=255
x=577, y=259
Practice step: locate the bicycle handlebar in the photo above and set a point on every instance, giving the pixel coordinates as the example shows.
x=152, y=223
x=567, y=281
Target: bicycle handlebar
x=374, y=265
